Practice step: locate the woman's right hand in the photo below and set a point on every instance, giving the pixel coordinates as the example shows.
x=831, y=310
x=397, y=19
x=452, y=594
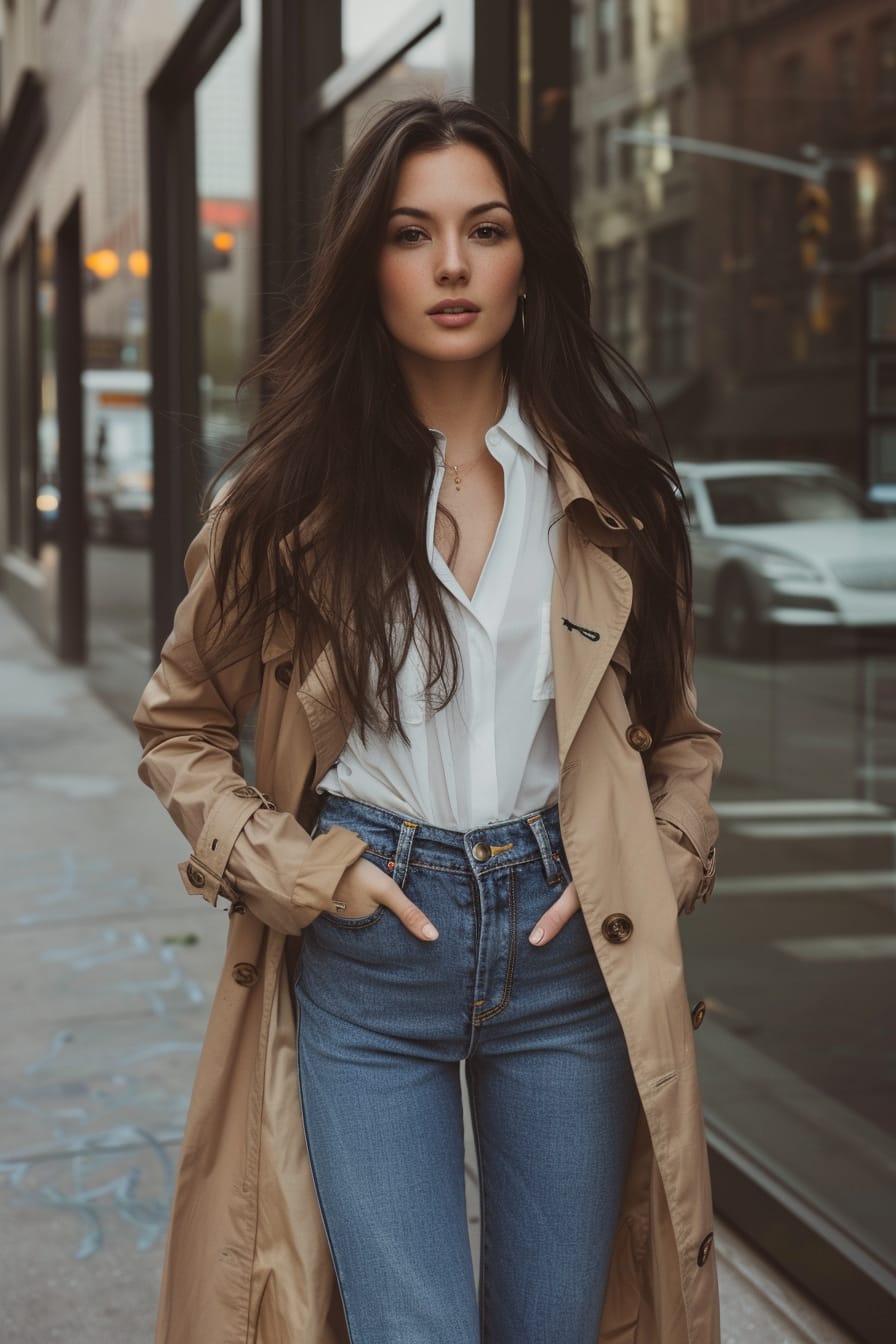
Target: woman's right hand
x=363, y=887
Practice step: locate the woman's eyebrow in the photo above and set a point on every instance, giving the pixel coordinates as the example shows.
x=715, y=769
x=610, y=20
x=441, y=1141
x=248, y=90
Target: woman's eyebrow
x=475, y=210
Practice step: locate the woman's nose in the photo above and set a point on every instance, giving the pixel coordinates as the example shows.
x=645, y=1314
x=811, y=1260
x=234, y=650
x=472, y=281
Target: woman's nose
x=452, y=263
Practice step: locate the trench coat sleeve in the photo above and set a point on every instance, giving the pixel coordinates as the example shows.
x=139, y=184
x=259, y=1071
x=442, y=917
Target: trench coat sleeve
x=680, y=774
x=188, y=721
x=681, y=770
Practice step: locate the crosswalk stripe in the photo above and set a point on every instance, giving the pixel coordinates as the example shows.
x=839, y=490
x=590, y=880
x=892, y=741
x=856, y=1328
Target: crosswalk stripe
x=859, y=947
x=881, y=879
x=801, y=807
x=812, y=830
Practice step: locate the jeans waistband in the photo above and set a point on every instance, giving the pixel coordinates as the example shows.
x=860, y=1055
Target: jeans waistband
x=401, y=840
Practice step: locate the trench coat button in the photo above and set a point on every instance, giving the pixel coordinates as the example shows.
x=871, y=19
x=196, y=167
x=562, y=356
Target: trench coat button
x=245, y=974
x=703, y=1253
x=283, y=674
x=245, y=791
x=617, y=928
x=639, y=737
x=482, y=851
x=195, y=875
x=698, y=1012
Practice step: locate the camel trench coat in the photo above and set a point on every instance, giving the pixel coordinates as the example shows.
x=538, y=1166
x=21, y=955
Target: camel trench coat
x=247, y=1261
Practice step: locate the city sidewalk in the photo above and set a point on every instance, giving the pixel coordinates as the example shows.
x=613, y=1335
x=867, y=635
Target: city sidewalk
x=107, y=971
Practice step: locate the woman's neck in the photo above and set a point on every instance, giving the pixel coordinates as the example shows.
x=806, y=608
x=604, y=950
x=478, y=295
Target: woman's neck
x=463, y=404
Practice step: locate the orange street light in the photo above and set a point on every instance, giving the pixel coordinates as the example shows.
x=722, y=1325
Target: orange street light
x=138, y=263
x=103, y=263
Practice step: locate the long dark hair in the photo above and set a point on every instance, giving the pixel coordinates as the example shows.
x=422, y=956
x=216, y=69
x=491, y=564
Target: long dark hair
x=338, y=438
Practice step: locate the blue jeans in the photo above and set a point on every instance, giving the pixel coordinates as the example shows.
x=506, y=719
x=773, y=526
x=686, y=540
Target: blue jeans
x=385, y=1020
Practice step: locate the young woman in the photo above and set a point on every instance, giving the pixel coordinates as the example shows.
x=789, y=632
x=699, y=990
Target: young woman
x=453, y=577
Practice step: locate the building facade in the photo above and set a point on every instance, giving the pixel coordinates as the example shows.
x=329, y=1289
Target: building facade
x=730, y=169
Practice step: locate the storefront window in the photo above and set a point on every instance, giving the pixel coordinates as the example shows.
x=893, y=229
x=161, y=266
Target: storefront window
x=756, y=299
x=116, y=381
x=420, y=70
x=227, y=194
x=21, y=411
x=363, y=24
x=48, y=479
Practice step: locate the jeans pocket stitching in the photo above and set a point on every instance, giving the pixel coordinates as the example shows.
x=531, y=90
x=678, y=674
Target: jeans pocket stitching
x=362, y=922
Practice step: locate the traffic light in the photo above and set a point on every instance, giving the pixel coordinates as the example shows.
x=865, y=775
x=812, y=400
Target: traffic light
x=814, y=222
x=216, y=250
x=821, y=305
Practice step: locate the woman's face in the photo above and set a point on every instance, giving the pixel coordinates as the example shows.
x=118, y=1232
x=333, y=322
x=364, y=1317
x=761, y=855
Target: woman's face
x=440, y=245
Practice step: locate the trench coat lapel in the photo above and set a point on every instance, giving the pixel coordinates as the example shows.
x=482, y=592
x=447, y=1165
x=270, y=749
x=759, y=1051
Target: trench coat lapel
x=326, y=708
x=329, y=716
x=591, y=598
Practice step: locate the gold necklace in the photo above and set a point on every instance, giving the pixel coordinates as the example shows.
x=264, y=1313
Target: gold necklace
x=455, y=470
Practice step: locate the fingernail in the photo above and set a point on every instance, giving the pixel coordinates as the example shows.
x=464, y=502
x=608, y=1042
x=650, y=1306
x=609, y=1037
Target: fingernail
x=430, y=931
x=536, y=935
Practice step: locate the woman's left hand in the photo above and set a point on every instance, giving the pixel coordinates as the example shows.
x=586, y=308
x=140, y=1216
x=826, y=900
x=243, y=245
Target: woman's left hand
x=556, y=915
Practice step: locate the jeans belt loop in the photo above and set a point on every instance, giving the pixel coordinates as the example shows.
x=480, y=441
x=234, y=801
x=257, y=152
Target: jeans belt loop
x=552, y=869
x=406, y=833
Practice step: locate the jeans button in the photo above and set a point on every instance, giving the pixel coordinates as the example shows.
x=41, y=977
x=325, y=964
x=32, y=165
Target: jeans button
x=482, y=851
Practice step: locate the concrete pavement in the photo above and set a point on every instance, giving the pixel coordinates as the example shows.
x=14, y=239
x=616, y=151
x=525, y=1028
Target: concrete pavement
x=106, y=975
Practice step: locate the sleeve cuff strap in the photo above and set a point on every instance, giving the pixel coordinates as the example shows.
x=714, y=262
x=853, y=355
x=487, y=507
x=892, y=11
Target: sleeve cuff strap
x=325, y=862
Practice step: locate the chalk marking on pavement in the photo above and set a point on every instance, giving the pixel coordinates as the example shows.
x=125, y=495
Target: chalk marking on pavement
x=77, y=788
x=65, y=884
x=148, y=1214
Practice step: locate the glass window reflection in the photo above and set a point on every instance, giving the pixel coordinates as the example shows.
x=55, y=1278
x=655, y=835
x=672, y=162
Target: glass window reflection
x=363, y=23
x=227, y=199
x=753, y=286
x=420, y=70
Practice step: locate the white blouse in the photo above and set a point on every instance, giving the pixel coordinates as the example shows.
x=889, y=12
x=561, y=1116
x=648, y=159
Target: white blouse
x=491, y=753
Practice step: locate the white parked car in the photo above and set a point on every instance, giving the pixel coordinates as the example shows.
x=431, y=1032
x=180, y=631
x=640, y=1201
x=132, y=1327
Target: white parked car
x=786, y=544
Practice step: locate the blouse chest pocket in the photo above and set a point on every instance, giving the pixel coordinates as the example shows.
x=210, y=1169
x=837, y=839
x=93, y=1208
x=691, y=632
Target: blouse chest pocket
x=543, y=687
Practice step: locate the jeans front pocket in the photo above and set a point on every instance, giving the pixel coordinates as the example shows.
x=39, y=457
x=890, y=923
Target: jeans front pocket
x=342, y=922
x=362, y=921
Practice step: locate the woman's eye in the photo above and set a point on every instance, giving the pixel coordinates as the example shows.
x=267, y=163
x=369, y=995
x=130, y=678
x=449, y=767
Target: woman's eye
x=402, y=235
x=492, y=231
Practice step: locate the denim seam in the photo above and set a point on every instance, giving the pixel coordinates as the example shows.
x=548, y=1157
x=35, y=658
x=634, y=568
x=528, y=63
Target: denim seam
x=492, y=868
x=448, y=868
x=472, y=1092
x=511, y=961
x=323, y=1216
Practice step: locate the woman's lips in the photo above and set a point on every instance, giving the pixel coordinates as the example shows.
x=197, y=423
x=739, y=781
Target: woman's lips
x=454, y=319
